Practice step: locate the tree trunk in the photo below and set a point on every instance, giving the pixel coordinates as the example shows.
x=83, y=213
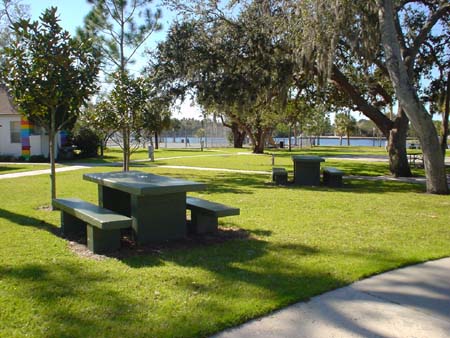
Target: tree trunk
x=126, y=149
x=156, y=140
x=258, y=147
x=258, y=140
x=397, y=156
x=445, y=118
x=51, y=143
x=398, y=161
x=289, y=139
x=436, y=178
x=340, y=140
x=238, y=135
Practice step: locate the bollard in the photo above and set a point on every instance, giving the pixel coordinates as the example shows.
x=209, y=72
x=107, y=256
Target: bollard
x=151, y=153
x=273, y=159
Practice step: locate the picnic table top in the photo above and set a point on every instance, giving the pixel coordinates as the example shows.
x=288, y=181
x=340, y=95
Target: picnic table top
x=307, y=158
x=140, y=183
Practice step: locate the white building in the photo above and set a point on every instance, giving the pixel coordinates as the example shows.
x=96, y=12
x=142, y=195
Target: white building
x=16, y=139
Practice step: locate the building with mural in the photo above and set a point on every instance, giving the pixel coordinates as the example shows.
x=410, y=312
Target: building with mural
x=18, y=137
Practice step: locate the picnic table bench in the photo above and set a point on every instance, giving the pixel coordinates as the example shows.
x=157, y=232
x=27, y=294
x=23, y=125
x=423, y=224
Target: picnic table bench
x=332, y=177
x=102, y=225
x=205, y=214
x=415, y=159
x=279, y=176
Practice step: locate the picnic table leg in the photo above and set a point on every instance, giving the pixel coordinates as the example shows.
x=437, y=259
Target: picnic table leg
x=99, y=241
x=307, y=173
x=158, y=217
x=202, y=223
x=114, y=200
x=72, y=226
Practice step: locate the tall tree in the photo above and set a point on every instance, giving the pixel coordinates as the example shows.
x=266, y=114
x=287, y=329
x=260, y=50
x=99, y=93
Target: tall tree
x=156, y=117
x=120, y=29
x=50, y=76
x=234, y=65
x=100, y=120
x=124, y=109
x=397, y=65
x=344, y=124
x=369, y=26
x=10, y=11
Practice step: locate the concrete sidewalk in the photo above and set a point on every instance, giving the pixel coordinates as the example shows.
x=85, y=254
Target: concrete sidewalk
x=408, y=302
x=41, y=172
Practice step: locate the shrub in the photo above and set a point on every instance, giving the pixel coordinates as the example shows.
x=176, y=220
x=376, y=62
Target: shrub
x=8, y=158
x=39, y=159
x=86, y=141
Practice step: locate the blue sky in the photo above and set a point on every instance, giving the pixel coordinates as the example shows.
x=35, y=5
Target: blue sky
x=72, y=13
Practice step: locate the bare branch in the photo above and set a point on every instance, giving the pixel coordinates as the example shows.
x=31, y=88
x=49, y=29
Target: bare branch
x=420, y=38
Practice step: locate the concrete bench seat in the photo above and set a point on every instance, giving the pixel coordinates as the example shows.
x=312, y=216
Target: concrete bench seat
x=102, y=225
x=279, y=176
x=205, y=214
x=332, y=177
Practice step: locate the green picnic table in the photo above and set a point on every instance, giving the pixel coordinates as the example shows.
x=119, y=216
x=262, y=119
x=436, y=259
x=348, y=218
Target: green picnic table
x=156, y=204
x=307, y=169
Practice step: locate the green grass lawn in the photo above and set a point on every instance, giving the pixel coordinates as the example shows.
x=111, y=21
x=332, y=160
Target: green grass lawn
x=344, y=158
x=297, y=243
x=15, y=168
x=115, y=154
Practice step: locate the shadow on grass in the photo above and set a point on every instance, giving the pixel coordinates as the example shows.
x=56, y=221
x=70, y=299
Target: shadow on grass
x=257, y=263
x=377, y=187
x=246, y=183
x=233, y=262
x=240, y=266
x=360, y=186
x=56, y=294
x=29, y=221
x=11, y=169
x=360, y=168
x=228, y=182
x=68, y=300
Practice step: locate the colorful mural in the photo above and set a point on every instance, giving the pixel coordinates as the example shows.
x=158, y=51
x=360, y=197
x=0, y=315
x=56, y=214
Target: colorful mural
x=25, y=137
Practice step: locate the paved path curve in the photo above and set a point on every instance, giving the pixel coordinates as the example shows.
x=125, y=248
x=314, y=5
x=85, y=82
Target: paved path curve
x=408, y=302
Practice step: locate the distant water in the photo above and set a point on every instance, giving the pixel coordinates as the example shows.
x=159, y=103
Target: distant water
x=325, y=141
x=334, y=141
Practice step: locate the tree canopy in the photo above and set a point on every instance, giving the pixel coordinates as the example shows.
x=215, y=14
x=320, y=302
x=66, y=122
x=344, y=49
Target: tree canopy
x=50, y=75
x=119, y=29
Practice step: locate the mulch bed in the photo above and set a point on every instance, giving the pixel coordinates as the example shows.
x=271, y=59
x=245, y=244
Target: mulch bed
x=129, y=248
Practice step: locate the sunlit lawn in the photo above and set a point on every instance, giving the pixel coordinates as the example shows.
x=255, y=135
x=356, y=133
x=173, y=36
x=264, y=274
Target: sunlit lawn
x=15, y=168
x=301, y=242
x=344, y=158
